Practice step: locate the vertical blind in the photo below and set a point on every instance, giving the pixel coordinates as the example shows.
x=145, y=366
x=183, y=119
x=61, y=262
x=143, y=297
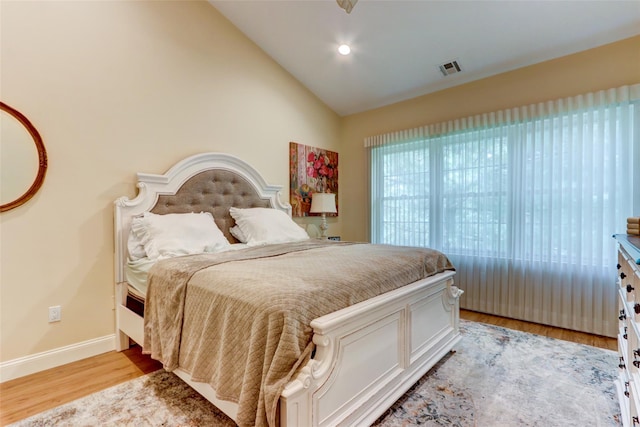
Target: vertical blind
x=523, y=201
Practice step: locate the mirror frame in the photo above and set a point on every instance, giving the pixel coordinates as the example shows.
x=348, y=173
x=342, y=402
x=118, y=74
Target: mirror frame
x=42, y=159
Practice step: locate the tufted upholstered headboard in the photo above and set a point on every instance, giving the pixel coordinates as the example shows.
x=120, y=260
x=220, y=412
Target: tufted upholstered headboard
x=208, y=182
x=212, y=191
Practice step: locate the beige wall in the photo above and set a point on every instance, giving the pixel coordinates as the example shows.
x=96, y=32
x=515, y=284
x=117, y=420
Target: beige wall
x=605, y=67
x=115, y=88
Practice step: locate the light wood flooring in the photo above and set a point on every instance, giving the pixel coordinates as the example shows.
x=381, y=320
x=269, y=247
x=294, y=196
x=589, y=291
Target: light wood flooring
x=29, y=395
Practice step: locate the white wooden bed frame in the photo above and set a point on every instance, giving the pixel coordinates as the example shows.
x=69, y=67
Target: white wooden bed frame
x=367, y=355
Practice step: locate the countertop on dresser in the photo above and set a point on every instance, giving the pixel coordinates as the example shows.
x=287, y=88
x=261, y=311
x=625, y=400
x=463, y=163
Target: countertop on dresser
x=631, y=243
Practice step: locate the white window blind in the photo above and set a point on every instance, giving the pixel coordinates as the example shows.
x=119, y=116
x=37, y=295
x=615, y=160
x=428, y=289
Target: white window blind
x=523, y=201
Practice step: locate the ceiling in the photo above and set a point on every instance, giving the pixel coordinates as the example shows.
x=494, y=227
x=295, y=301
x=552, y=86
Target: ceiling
x=397, y=46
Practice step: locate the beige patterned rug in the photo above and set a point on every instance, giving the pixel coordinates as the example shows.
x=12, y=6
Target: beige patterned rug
x=497, y=377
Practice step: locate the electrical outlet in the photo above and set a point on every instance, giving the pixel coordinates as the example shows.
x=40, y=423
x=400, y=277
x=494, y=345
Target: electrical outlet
x=55, y=313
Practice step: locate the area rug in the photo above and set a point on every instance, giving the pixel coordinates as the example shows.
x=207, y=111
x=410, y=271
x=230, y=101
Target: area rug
x=496, y=377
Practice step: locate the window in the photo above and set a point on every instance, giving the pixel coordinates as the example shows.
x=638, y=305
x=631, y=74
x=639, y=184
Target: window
x=519, y=200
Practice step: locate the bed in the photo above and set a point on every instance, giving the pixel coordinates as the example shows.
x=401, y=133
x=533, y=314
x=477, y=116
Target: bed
x=337, y=356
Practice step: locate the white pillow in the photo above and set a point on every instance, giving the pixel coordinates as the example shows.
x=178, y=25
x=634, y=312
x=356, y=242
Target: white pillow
x=238, y=234
x=134, y=244
x=265, y=226
x=164, y=236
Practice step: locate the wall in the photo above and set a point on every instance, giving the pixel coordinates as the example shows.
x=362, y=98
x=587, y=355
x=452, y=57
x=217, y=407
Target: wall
x=115, y=88
x=604, y=67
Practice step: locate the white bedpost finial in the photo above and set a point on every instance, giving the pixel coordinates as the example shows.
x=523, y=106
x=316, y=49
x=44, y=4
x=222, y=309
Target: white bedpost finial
x=323, y=203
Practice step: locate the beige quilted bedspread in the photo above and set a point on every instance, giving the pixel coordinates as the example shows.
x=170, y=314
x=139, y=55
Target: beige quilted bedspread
x=240, y=320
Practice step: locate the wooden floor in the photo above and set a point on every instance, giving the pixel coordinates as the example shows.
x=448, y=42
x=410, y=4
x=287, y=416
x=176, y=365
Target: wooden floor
x=29, y=395
x=547, y=331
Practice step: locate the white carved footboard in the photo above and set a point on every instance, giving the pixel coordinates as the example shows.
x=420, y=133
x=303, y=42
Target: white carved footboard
x=368, y=355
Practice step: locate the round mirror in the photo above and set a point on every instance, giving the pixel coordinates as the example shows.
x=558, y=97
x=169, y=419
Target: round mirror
x=23, y=159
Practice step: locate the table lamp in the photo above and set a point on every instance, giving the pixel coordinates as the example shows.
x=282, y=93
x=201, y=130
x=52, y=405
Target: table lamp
x=323, y=203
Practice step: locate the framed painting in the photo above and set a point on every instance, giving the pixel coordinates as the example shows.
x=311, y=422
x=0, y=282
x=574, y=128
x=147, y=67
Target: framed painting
x=311, y=170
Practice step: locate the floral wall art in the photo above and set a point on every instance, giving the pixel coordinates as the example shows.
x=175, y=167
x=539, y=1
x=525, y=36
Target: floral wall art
x=311, y=170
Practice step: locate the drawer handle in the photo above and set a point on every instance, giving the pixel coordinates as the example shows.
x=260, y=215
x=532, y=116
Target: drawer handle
x=618, y=266
x=635, y=420
x=625, y=333
x=621, y=365
x=623, y=315
x=622, y=275
x=630, y=288
x=636, y=308
x=626, y=388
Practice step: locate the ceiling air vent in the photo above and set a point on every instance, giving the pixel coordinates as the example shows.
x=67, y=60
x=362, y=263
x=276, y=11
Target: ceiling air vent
x=449, y=68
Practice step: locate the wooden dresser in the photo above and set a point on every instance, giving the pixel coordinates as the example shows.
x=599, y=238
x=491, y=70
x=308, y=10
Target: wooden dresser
x=628, y=383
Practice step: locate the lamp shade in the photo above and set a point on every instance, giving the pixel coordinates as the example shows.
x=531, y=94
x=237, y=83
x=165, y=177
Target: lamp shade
x=323, y=203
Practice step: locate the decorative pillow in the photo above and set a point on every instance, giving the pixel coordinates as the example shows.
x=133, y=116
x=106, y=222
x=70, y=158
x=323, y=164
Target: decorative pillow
x=265, y=226
x=164, y=236
x=238, y=234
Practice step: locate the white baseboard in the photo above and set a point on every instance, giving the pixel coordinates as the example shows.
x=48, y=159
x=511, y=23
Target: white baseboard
x=22, y=366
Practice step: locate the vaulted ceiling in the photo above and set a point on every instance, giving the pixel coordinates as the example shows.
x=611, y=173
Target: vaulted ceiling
x=397, y=46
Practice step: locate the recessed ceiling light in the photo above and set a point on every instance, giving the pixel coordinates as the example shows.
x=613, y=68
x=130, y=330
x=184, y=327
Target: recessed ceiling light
x=344, y=49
